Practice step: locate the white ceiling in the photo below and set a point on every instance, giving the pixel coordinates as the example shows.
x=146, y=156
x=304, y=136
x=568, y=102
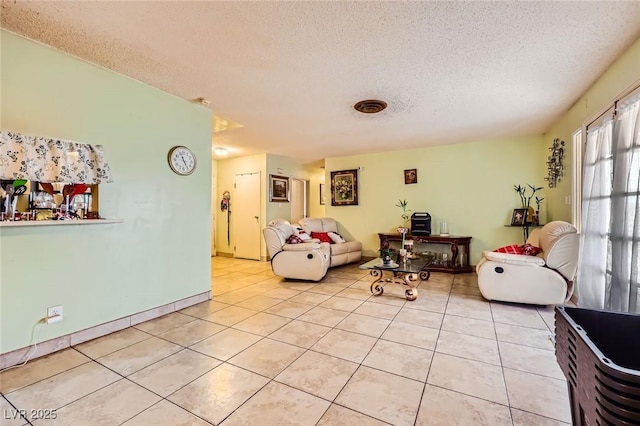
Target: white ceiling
x=290, y=72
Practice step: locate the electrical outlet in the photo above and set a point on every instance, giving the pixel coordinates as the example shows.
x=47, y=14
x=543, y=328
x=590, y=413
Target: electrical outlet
x=54, y=314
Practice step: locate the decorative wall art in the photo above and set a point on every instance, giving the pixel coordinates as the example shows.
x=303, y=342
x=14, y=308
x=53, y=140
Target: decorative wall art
x=278, y=189
x=410, y=176
x=344, y=188
x=555, y=163
x=322, y=202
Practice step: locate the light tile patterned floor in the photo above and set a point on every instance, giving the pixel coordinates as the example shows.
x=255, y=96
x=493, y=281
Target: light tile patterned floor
x=267, y=351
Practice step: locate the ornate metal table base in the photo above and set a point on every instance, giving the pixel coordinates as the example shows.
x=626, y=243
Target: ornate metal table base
x=406, y=279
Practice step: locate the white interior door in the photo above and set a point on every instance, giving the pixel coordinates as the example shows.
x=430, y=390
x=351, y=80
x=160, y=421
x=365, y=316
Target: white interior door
x=246, y=215
x=298, y=200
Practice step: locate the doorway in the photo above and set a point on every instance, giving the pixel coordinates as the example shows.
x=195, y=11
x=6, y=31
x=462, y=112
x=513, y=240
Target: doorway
x=246, y=216
x=298, y=199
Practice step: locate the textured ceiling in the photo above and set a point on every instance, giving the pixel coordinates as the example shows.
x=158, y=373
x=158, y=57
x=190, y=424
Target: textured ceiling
x=289, y=72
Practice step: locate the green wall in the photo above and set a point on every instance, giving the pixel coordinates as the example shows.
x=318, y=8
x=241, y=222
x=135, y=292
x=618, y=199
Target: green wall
x=468, y=185
x=161, y=253
x=622, y=74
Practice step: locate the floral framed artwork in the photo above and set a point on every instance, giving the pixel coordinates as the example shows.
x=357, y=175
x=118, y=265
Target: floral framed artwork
x=278, y=189
x=518, y=217
x=322, y=194
x=344, y=188
x=410, y=176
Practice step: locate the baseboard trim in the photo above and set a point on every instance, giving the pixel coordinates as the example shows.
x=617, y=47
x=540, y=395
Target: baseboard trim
x=18, y=356
x=223, y=254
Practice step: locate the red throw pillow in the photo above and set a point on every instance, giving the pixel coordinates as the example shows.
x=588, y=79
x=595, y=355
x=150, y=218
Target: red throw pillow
x=530, y=250
x=512, y=249
x=322, y=236
x=294, y=239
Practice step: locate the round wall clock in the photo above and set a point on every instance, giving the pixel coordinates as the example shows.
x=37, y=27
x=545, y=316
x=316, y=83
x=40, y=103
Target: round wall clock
x=182, y=160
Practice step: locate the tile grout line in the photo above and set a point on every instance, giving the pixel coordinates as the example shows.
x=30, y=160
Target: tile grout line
x=433, y=354
x=349, y=313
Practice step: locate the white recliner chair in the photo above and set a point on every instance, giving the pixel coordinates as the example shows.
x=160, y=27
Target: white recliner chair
x=303, y=261
x=545, y=279
x=341, y=253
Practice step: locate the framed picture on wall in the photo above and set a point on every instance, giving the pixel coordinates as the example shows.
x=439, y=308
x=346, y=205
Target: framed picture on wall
x=410, y=176
x=278, y=189
x=344, y=188
x=322, y=194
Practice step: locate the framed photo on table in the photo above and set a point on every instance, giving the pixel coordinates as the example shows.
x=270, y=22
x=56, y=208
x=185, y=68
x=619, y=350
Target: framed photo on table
x=344, y=188
x=278, y=189
x=519, y=217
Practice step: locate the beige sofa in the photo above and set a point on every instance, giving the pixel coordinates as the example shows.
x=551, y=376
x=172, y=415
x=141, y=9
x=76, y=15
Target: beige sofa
x=303, y=261
x=341, y=253
x=545, y=279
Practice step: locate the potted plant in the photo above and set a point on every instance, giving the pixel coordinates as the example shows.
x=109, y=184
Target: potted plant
x=526, y=200
x=385, y=254
x=536, y=215
x=403, y=229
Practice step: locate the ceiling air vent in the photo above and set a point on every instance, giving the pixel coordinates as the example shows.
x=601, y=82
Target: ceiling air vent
x=370, y=106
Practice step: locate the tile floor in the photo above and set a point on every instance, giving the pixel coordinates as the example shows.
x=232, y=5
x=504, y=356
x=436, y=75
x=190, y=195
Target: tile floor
x=266, y=351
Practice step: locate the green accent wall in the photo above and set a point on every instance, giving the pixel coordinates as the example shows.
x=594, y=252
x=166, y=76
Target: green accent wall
x=160, y=253
x=470, y=186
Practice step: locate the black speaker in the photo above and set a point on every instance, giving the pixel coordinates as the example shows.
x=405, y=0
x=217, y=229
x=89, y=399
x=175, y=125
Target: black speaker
x=421, y=223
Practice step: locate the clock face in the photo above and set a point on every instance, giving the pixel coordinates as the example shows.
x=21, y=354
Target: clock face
x=182, y=160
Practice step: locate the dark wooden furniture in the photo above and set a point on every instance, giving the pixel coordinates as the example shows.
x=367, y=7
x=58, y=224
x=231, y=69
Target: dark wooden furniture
x=455, y=242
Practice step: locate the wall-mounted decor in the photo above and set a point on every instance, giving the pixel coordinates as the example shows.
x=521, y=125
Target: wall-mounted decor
x=322, y=194
x=278, y=189
x=519, y=217
x=555, y=163
x=182, y=160
x=410, y=176
x=344, y=188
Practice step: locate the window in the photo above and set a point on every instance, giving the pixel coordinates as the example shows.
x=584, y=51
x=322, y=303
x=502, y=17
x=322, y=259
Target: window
x=609, y=270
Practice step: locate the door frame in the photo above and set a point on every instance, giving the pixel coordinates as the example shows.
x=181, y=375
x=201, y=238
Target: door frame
x=260, y=215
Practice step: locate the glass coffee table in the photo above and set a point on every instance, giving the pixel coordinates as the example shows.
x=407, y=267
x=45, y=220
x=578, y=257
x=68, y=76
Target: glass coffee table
x=407, y=274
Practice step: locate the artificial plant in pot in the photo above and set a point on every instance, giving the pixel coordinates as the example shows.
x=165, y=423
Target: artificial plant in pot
x=405, y=219
x=525, y=199
x=385, y=254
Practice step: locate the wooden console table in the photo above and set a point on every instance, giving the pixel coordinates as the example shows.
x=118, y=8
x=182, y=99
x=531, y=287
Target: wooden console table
x=455, y=242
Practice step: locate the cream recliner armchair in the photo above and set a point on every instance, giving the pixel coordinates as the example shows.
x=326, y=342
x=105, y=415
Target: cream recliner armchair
x=341, y=253
x=303, y=261
x=545, y=279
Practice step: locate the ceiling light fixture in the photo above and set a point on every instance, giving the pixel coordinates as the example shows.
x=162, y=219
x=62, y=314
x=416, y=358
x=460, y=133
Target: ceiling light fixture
x=221, y=151
x=370, y=106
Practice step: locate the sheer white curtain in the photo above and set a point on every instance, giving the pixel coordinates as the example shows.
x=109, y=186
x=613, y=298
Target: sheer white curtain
x=608, y=273
x=625, y=210
x=596, y=209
